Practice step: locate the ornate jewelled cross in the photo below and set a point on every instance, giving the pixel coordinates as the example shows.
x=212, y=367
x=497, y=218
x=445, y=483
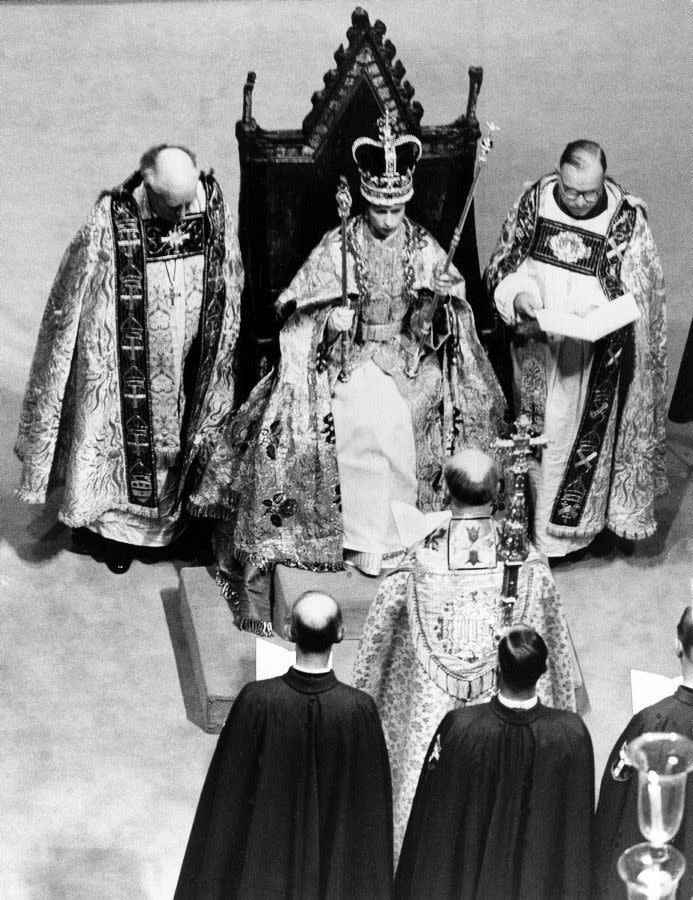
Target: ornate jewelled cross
x=175, y=238
x=514, y=541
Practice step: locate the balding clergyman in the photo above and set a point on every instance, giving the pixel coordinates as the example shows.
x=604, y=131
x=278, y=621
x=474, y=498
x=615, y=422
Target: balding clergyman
x=133, y=368
x=575, y=242
x=297, y=800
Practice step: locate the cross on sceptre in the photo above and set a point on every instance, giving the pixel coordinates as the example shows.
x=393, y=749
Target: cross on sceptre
x=514, y=531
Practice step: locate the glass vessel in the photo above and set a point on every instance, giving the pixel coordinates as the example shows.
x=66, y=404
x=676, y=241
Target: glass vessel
x=650, y=878
x=652, y=870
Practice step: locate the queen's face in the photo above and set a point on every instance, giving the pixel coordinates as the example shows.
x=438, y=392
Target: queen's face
x=385, y=220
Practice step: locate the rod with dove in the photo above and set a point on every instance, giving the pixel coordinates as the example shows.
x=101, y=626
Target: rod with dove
x=344, y=209
x=485, y=146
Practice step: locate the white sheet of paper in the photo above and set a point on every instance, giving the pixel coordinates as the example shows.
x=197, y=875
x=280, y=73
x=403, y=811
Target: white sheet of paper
x=413, y=525
x=647, y=688
x=596, y=324
x=271, y=659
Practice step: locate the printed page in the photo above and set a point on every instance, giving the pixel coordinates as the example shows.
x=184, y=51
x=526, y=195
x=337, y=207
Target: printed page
x=596, y=324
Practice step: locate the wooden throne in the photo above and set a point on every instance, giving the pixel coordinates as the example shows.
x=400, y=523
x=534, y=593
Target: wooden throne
x=289, y=180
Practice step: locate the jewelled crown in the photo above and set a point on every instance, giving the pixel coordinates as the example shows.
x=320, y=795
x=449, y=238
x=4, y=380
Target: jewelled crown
x=387, y=165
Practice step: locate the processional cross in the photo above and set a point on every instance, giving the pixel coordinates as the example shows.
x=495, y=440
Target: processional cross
x=514, y=539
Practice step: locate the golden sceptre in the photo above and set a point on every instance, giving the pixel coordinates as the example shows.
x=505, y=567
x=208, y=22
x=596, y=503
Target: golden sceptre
x=344, y=208
x=484, y=147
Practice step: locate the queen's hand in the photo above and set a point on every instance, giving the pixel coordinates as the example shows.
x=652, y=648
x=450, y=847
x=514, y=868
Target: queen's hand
x=340, y=319
x=443, y=282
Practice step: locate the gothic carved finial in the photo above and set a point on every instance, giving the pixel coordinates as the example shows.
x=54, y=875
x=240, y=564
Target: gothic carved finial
x=368, y=54
x=359, y=18
x=398, y=70
x=330, y=77
x=248, y=99
x=389, y=50
x=476, y=76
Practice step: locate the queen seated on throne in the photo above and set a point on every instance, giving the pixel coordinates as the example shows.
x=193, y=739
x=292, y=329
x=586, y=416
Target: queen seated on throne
x=307, y=469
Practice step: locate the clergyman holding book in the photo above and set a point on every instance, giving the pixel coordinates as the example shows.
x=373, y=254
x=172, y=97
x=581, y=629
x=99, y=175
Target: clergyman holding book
x=574, y=242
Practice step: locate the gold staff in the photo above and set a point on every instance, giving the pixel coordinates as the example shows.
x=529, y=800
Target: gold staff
x=344, y=208
x=484, y=147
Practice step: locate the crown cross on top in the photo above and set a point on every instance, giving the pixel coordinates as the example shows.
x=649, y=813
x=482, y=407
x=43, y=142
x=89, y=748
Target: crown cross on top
x=385, y=132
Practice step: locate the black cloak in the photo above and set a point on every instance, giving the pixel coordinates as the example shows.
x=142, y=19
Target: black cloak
x=297, y=803
x=616, y=824
x=503, y=808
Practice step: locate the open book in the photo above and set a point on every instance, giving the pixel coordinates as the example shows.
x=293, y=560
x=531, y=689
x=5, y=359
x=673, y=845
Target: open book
x=647, y=688
x=596, y=324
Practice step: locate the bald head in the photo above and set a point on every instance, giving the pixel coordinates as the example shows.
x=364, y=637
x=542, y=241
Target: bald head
x=171, y=177
x=472, y=478
x=316, y=622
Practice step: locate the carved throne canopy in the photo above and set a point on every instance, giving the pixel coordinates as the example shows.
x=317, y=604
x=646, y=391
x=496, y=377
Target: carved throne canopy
x=289, y=178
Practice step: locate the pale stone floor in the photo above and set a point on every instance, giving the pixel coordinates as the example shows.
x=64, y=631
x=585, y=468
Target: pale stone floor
x=101, y=767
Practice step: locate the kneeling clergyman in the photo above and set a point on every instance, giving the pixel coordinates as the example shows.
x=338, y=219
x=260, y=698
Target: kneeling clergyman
x=133, y=371
x=297, y=800
x=429, y=641
x=573, y=243
x=503, y=808
x=309, y=466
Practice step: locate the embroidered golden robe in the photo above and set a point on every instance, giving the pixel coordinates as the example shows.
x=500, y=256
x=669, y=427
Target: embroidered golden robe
x=429, y=641
x=132, y=374
x=274, y=475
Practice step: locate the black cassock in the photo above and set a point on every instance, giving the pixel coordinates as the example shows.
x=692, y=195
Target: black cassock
x=616, y=825
x=503, y=809
x=297, y=802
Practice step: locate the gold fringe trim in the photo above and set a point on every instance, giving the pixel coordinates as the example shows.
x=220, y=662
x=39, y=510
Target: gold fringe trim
x=259, y=627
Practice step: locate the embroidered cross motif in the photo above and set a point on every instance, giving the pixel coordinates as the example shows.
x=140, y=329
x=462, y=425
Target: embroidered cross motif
x=584, y=459
x=434, y=755
x=617, y=250
x=613, y=356
x=175, y=238
x=132, y=347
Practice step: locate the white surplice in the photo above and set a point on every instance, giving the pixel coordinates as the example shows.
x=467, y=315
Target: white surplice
x=568, y=363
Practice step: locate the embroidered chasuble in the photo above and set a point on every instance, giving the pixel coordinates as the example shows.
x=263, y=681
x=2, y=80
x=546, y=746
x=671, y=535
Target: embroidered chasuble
x=429, y=641
x=309, y=465
x=600, y=405
x=133, y=371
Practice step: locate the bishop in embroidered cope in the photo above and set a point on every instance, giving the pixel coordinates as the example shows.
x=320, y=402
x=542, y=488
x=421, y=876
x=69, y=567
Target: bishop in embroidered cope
x=429, y=640
x=573, y=242
x=133, y=371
